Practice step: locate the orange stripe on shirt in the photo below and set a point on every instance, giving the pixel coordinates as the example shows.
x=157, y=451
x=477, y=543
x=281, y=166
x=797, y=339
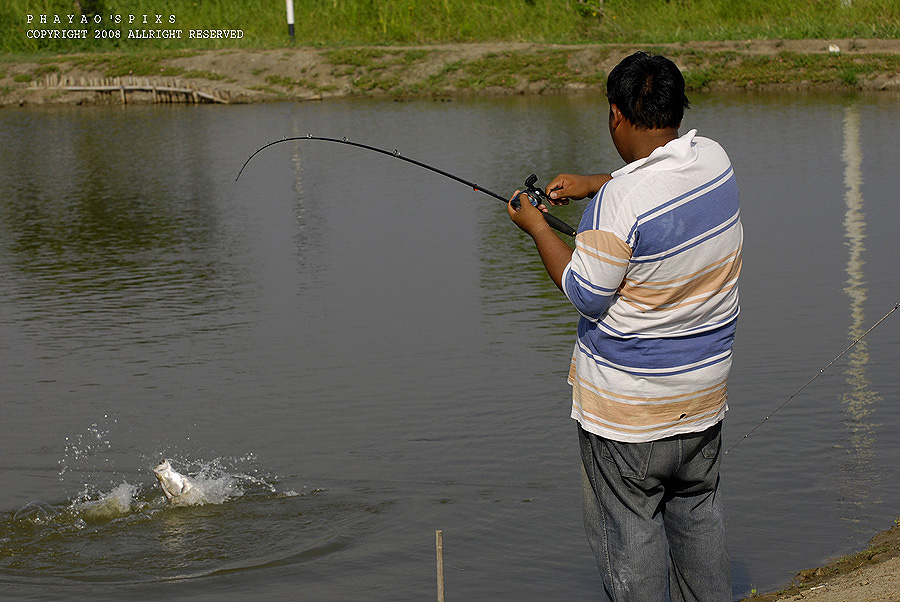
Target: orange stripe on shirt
x=649, y=429
x=706, y=285
x=604, y=246
x=649, y=413
x=718, y=264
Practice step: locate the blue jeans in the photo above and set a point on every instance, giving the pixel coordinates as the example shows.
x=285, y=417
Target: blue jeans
x=654, y=517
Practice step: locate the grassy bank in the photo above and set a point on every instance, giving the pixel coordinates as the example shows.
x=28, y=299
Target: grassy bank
x=304, y=73
x=375, y=22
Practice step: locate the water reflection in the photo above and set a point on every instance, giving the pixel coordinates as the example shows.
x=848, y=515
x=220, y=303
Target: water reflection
x=109, y=212
x=859, y=399
x=299, y=208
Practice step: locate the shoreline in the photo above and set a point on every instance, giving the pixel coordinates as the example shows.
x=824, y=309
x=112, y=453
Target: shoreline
x=435, y=71
x=872, y=575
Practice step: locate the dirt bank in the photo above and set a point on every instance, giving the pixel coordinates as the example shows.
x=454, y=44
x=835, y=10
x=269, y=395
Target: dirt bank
x=872, y=575
x=438, y=71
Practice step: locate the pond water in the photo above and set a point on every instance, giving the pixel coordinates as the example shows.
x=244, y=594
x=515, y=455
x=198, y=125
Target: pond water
x=348, y=353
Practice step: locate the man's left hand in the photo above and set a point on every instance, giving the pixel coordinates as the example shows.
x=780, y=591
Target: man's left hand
x=528, y=217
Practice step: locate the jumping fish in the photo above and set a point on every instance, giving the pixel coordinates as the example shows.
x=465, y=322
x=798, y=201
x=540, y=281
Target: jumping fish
x=172, y=482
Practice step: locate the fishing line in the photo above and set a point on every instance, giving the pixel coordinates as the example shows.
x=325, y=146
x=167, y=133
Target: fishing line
x=553, y=221
x=839, y=356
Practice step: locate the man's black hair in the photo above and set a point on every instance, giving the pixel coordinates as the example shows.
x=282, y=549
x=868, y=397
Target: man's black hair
x=649, y=91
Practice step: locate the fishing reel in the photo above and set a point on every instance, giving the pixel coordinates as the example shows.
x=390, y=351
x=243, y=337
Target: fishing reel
x=535, y=195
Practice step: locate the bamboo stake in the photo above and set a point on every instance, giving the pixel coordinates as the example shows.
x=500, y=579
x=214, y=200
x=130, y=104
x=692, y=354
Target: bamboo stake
x=439, y=545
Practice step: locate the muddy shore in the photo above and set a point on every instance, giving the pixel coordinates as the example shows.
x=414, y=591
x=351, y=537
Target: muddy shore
x=872, y=575
x=243, y=76
x=446, y=71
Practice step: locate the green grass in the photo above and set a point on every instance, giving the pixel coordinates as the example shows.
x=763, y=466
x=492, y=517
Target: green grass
x=338, y=23
x=137, y=64
x=375, y=69
x=204, y=74
x=551, y=68
x=704, y=68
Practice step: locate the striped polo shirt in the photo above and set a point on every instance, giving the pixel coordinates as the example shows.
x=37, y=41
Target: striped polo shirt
x=654, y=276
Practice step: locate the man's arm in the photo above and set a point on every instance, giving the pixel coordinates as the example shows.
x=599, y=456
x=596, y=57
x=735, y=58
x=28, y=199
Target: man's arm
x=567, y=186
x=555, y=253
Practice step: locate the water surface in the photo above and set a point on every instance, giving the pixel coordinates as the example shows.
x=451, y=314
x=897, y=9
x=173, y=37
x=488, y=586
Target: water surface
x=350, y=352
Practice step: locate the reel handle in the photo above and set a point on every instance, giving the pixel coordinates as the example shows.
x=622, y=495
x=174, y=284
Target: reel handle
x=559, y=225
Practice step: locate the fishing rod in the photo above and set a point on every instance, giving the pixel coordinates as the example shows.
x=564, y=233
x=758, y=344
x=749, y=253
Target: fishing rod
x=819, y=373
x=535, y=195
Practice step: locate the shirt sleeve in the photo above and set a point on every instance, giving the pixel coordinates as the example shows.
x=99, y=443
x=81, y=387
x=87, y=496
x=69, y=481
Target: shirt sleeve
x=598, y=267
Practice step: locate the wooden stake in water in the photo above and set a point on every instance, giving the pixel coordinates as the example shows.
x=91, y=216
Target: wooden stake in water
x=439, y=545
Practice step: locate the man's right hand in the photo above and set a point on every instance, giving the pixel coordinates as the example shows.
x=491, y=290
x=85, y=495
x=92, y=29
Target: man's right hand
x=567, y=186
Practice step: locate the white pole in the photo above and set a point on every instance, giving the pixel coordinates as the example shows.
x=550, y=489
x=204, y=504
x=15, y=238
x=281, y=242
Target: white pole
x=290, y=18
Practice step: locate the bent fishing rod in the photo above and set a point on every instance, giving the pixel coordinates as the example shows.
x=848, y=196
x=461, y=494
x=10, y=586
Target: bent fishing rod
x=535, y=195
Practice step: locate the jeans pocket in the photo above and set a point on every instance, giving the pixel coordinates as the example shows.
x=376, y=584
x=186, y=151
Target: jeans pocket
x=712, y=442
x=631, y=459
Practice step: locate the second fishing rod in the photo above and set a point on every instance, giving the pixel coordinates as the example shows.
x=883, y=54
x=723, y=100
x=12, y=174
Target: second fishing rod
x=535, y=195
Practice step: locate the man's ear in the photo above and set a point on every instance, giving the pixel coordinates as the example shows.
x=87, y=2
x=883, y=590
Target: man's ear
x=615, y=116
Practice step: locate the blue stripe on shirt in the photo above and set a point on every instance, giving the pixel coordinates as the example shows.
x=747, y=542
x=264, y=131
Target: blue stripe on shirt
x=655, y=353
x=701, y=328
x=728, y=173
x=589, y=217
x=688, y=221
x=588, y=298
x=711, y=234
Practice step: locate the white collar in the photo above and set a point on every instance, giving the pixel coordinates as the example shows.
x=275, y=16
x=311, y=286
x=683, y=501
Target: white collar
x=675, y=152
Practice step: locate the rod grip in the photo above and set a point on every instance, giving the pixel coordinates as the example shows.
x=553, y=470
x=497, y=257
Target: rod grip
x=559, y=225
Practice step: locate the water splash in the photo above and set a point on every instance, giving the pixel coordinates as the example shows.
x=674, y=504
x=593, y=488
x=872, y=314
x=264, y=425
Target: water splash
x=81, y=447
x=221, y=479
x=129, y=532
x=114, y=524
x=36, y=512
x=119, y=502
x=102, y=511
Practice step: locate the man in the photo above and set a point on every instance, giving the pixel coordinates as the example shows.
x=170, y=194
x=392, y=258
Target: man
x=654, y=276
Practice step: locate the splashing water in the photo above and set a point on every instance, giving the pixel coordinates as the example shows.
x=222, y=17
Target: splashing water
x=214, y=483
x=83, y=446
x=121, y=501
x=119, y=527
x=101, y=530
x=35, y=512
